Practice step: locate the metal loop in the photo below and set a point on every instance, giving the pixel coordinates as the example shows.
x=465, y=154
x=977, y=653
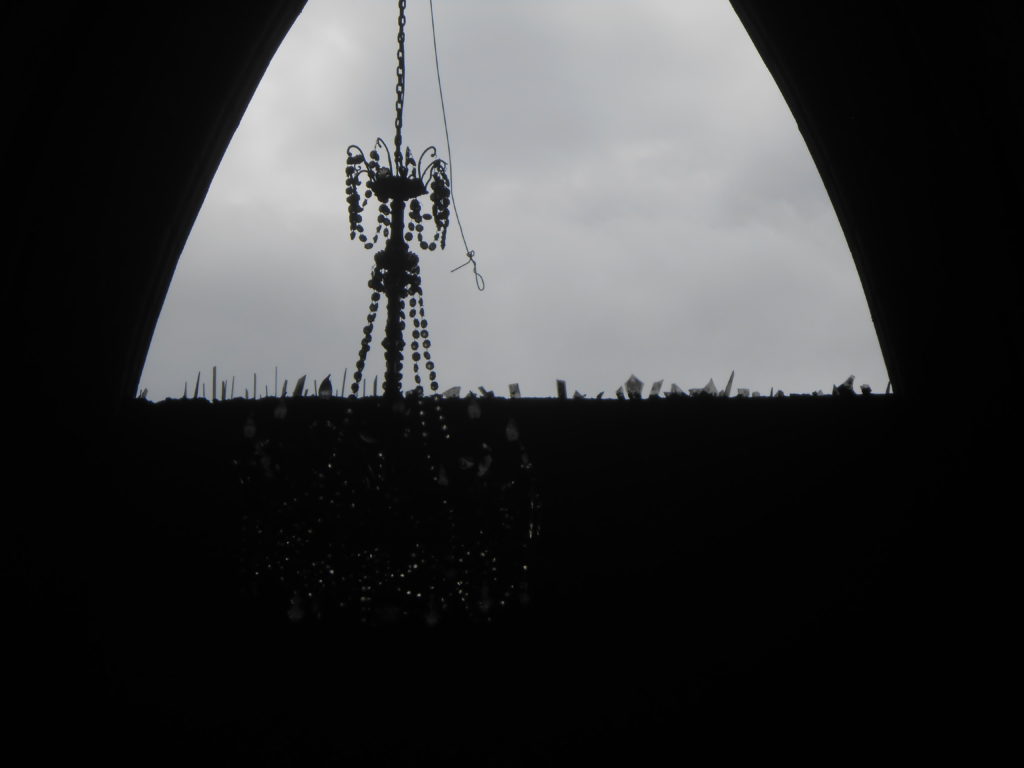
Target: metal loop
x=471, y=259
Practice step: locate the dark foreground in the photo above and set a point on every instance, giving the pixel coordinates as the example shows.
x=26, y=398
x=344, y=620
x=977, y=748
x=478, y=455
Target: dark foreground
x=739, y=574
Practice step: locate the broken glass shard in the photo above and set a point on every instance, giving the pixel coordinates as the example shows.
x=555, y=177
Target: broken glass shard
x=846, y=388
x=728, y=386
x=656, y=388
x=710, y=388
x=634, y=387
x=513, y=391
x=452, y=392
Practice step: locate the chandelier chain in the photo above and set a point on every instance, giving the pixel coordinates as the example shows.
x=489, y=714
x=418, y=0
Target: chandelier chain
x=400, y=85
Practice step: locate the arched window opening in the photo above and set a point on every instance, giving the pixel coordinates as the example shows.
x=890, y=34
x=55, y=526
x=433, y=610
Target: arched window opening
x=636, y=189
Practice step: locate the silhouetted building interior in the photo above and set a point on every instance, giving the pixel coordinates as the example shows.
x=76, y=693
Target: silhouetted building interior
x=795, y=572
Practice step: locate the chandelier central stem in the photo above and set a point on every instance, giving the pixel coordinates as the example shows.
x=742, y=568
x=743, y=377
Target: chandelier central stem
x=398, y=262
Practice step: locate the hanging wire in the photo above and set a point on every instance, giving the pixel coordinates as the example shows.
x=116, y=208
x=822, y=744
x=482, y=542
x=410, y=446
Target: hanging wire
x=470, y=254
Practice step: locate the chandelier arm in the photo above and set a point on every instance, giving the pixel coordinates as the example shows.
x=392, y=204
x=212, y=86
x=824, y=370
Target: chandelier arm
x=419, y=163
x=439, y=164
x=384, y=144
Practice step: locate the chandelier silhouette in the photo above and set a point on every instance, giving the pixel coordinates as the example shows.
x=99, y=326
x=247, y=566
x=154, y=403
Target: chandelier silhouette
x=379, y=512
x=396, y=180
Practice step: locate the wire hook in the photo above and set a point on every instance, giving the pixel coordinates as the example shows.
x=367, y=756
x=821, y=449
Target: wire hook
x=471, y=259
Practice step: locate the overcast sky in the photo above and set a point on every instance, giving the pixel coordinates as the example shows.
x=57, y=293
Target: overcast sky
x=637, y=193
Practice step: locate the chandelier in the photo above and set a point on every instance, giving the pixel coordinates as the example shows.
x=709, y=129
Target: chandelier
x=399, y=181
